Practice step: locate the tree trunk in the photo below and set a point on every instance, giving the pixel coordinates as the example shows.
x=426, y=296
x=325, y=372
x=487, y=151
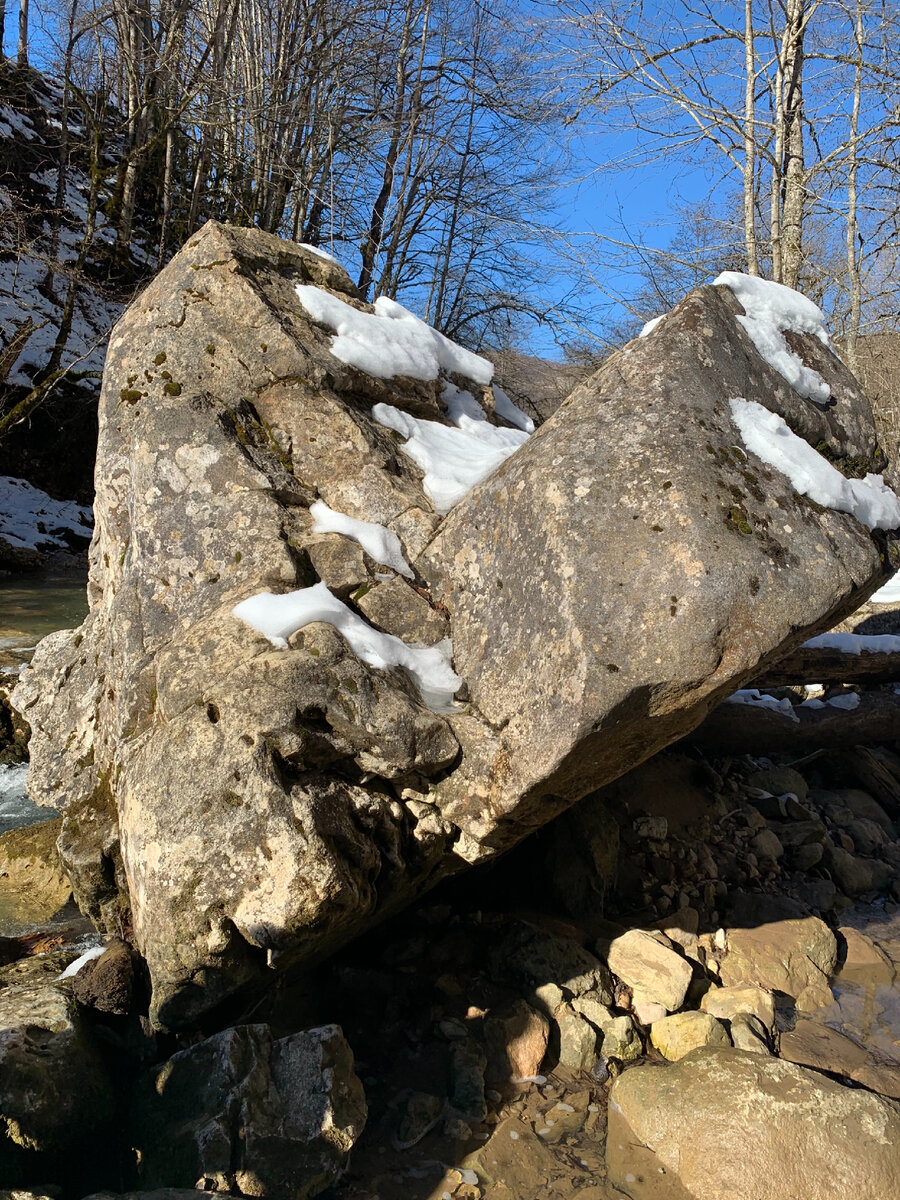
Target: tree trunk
x=854, y=279
x=750, y=142
x=23, y=33
x=793, y=175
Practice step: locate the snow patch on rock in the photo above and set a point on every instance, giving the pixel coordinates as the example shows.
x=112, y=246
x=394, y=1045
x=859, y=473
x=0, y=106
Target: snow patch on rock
x=769, y=310
x=277, y=617
x=391, y=341
x=768, y=436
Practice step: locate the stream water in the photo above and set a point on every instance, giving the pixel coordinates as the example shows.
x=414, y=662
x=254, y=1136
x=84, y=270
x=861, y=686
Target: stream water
x=30, y=608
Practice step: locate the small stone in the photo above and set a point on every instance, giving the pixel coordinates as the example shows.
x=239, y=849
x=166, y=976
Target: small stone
x=779, y=780
x=766, y=845
x=577, y=1040
x=781, y=956
x=804, y=858
x=338, y=562
x=748, y=1033
x=855, y=875
x=649, y=964
x=467, y=1068
x=420, y=1114
x=816, y=996
x=107, y=983
x=397, y=608
x=516, y=1042
x=651, y=827
x=647, y=1011
x=863, y=960
x=727, y=1002
x=676, y=1036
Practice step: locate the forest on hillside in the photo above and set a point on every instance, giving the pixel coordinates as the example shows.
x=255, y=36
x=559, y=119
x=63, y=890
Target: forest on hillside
x=433, y=146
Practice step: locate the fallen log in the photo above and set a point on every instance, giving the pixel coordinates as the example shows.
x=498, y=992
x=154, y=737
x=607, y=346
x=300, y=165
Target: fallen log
x=733, y=728
x=837, y=658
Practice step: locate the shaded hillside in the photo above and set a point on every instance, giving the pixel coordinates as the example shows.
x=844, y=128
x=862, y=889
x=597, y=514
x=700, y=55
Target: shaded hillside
x=56, y=271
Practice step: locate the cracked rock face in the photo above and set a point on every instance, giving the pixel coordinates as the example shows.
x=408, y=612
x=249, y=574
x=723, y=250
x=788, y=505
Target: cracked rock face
x=246, y=1111
x=627, y=567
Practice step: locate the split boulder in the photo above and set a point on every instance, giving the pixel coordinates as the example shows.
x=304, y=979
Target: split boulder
x=254, y=805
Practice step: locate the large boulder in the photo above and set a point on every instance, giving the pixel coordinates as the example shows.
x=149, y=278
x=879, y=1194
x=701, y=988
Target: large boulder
x=726, y=1124
x=56, y=1094
x=258, y=804
x=249, y=1112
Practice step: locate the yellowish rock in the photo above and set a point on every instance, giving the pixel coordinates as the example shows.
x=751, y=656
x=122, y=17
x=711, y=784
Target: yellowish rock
x=678, y=1035
x=727, y=1002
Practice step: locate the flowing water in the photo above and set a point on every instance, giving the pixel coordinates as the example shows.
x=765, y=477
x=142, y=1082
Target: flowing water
x=30, y=608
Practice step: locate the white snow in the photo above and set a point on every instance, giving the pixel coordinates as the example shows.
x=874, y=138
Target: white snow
x=767, y=435
x=651, y=325
x=770, y=309
x=453, y=458
x=30, y=518
x=848, y=701
x=855, y=643
x=756, y=699
x=889, y=593
x=74, y=967
x=378, y=542
x=319, y=251
x=505, y=408
x=391, y=341
x=14, y=122
x=277, y=617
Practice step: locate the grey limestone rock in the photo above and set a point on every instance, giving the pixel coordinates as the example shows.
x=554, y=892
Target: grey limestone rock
x=248, y=1112
x=55, y=1091
x=629, y=566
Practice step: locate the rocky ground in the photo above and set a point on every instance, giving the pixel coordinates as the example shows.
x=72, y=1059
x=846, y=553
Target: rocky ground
x=693, y=906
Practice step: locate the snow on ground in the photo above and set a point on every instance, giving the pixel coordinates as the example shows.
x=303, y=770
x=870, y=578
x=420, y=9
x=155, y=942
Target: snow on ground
x=453, y=458
x=277, y=617
x=767, y=435
x=24, y=274
x=378, y=542
x=848, y=701
x=391, y=341
x=855, y=643
x=769, y=310
x=889, y=593
x=21, y=297
x=12, y=123
x=757, y=699
x=30, y=519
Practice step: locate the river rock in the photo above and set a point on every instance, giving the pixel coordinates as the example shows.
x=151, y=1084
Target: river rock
x=55, y=1093
x=516, y=1041
x=728, y=1002
x=588, y=634
x=649, y=965
x=781, y=956
x=245, y=1111
x=107, y=982
x=727, y=1123
x=813, y=1044
x=33, y=884
x=678, y=1035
